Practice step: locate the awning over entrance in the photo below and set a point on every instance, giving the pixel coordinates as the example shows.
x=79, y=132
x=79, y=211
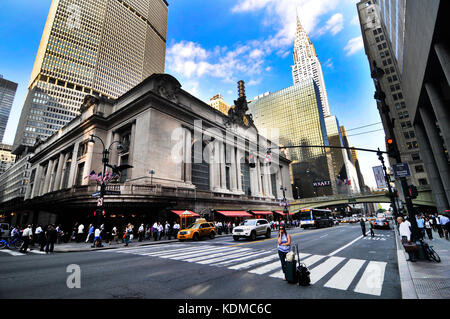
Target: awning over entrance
x=180, y=213
x=235, y=213
x=281, y=213
x=262, y=212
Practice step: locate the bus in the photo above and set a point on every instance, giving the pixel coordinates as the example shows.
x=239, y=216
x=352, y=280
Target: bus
x=315, y=218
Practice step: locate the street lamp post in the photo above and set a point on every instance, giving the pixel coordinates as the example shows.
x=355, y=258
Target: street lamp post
x=377, y=74
x=105, y=161
x=285, y=210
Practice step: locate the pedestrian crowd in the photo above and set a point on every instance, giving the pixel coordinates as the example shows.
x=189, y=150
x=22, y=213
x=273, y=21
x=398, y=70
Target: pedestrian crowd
x=44, y=237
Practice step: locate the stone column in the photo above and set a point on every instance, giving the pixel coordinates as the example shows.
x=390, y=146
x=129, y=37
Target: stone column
x=432, y=171
x=233, y=172
x=131, y=152
x=443, y=54
x=59, y=170
x=48, y=177
x=238, y=170
x=73, y=166
x=222, y=164
x=440, y=110
x=437, y=149
x=187, y=156
x=37, y=182
x=258, y=175
x=63, y=172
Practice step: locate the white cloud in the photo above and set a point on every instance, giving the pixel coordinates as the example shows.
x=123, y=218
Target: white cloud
x=191, y=61
x=355, y=20
x=329, y=64
x=334, y=25
x=281, y=15
x=354, y=45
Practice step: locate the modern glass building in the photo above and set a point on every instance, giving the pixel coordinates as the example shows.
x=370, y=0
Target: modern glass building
x=7, y=93
x=295, y=113
x=98, y=47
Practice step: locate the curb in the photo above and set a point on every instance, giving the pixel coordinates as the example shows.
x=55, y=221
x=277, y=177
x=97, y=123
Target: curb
x=406, y=282
x=121, y=246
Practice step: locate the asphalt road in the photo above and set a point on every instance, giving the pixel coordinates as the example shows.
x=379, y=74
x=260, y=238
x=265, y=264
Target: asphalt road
x=343, y=264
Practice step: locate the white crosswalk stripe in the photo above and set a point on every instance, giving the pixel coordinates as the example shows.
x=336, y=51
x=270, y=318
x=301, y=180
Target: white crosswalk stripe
x=324, y=268
x=344, y=277
x=267, y=263
x=371, y=281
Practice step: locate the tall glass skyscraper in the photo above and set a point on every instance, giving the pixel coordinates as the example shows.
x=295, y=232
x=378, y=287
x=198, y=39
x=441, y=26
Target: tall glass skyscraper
x=307, y=64
x=7, y=93
x=98, y=47
x=296, y=112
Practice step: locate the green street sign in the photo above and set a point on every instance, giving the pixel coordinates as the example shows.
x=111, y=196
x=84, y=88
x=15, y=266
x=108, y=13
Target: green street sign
x=352, y=200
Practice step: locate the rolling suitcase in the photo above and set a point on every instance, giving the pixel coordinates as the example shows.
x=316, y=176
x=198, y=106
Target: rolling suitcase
x=291, y=274
x=302, y=272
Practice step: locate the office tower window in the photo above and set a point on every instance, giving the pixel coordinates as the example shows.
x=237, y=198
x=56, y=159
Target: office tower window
x=415, y=156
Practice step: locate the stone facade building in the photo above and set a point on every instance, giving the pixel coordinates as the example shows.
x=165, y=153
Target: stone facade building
x=203, y=160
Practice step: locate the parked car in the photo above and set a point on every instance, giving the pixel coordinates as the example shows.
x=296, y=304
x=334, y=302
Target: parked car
x=381, y=223
x=201, y=228
x=251, y=228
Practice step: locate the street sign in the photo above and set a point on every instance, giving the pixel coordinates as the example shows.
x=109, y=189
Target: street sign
x=379, y=177
x=100, y=202
x=352, y=201
x=112, y=193
x=96, y=194
x=401, y=170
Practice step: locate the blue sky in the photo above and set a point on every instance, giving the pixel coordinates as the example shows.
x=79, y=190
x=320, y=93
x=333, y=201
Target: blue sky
x=213, y=44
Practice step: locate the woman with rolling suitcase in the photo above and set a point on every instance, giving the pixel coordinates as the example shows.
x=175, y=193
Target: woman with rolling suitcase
x=284, y=246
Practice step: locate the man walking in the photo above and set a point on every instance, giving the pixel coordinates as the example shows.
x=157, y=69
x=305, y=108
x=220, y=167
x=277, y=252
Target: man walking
x=176, y=228
x=91, y=231
x=445, y=224
x=26, y=237
x=50, y=235
x=167, y=230
x=363, y=226
x=80, y=233
x=405, y=234
x=40, y=237
x=371, y=229
x=421, y=225
x=141, y=232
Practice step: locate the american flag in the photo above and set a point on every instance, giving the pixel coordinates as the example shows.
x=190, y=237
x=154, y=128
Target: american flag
x=91, y=176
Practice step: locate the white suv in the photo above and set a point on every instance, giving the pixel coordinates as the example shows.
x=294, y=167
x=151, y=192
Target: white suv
x=251, y=228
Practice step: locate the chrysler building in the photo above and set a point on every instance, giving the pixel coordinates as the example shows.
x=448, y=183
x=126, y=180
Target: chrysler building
x=307, y=65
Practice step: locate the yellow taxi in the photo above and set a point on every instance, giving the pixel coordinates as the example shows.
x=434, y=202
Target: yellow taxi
x=201, y=228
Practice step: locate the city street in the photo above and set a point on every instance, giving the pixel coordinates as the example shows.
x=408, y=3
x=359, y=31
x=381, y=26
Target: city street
x=343, y=264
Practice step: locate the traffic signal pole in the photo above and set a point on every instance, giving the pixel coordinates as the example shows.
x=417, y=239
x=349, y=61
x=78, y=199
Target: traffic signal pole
x=380, y=97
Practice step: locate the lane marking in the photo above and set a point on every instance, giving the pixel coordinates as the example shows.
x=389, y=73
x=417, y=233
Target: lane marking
x=371, y=282
x=345, y=246
x=344, y=277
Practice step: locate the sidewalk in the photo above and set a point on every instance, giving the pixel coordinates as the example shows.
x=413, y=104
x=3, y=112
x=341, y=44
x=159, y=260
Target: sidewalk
x=425, y=279
x=83, y=246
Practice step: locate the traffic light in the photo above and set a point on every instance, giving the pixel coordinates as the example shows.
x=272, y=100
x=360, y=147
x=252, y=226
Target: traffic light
x=390, y=148
x=413, y=192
